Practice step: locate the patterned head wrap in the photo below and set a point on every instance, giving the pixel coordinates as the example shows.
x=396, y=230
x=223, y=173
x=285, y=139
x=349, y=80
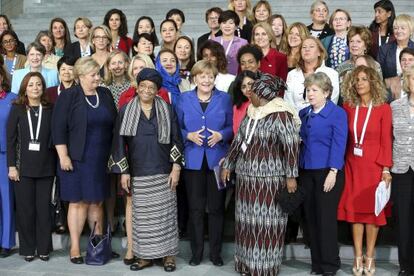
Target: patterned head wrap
x=268, y=86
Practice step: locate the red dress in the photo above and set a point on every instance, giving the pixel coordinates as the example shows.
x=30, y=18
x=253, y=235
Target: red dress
x=362, y=174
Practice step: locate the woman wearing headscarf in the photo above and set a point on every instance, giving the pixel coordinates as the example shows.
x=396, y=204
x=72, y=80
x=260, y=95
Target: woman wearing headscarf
x=167, y=65
x=269, y=134
x=147, y=153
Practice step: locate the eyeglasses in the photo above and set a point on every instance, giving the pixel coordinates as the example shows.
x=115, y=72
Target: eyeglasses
x=10, y=41
x=100, y=37
x=213, y=18
x=340, y=19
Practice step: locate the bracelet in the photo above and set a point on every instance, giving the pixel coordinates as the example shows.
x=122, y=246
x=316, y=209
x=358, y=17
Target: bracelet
x=388, y=172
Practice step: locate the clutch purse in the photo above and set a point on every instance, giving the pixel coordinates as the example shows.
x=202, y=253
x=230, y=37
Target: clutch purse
x=289, y=202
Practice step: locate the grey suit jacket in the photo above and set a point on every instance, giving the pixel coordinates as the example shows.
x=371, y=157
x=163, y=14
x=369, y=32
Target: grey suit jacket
x=403, y=131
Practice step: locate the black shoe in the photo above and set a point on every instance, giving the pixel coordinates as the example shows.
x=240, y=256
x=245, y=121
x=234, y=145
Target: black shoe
x=217, y=261
x=194, y=261
x=4, y=253
x=129, y=261
x=403, y=273
x=29, y=258
x=316, y=272
x=76, y=260
x=141, y=264
x=44, y=258
x=115, y=255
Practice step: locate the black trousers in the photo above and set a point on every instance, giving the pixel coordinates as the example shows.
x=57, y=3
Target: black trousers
x=321, y=217
x=402, y=190
x=201, y=190
x=33, y=215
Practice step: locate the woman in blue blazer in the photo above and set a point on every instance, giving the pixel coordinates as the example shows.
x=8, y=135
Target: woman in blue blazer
x=206, y=120
x=324, y=135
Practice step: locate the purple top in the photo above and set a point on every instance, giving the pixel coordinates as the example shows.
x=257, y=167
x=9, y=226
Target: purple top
x=231, y=48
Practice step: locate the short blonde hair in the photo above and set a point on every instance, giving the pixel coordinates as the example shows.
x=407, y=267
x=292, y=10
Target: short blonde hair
x=404, y=19
x=107, y=32
x=333, y=15
x=148, y=64
x=84, y=66
x=406, y=82
x=85, y=20
x=268, y=30
x=108, y=79
x=203, y=66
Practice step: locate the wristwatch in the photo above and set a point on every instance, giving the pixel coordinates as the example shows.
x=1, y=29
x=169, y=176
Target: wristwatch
x=334, y=170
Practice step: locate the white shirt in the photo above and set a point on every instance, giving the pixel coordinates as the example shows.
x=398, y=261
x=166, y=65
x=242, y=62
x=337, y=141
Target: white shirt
x=295, y=83
x=223, y=81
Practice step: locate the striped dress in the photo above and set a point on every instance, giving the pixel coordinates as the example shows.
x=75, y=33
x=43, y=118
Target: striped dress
x=261, y=171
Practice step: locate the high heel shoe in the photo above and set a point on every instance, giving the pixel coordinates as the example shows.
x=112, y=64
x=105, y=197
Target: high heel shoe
x=368, y=269
x=358, y=267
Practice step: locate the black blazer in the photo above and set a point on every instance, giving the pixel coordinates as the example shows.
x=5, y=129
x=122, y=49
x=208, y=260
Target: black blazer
x=74, y=50
x=327, y=31
x=69, y=121
x=31, y=163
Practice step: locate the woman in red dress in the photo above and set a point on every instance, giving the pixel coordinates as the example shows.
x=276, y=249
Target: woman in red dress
x=368, y=160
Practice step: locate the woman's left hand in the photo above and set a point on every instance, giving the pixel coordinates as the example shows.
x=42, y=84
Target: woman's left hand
x=214, y=138
x=329, y=181
x=174, y=177
x=386, y=177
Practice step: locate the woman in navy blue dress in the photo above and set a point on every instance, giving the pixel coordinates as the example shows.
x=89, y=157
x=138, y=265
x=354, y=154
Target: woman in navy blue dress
x=82, y=133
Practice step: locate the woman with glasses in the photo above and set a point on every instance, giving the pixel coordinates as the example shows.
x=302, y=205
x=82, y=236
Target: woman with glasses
x=12, y=60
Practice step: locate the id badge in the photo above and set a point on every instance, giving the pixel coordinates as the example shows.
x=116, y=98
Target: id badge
x=34, y=146
x=244, y=147
x=357, y=150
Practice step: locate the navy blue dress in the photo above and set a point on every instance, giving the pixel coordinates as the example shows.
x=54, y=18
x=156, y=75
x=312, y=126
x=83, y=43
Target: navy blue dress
x=89, y=180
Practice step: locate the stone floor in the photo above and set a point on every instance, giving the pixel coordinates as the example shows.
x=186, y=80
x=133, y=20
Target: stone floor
x=59, y=265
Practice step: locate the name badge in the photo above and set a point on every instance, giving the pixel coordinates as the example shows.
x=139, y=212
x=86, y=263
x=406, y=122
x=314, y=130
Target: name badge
x=34, y=146
x=358, y=151
x=244, y=147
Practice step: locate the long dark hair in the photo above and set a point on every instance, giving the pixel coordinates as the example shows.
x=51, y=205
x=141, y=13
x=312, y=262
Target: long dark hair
x=123, y=28
x=67, y=33
x=216, y=50
x=22, y=97
x=11, y=33
x=191, y=61
x=5, y=84
x=389, y=7
x=153, y=33
x=238, y=97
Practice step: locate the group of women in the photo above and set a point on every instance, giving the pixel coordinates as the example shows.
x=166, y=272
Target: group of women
x=261, y=108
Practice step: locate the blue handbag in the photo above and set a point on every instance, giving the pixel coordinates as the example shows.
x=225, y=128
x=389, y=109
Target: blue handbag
x=99, y=250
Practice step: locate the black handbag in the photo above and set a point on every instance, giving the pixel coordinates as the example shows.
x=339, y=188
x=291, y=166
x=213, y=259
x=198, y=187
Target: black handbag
x=56, y=208
x=99, y=249
x=289, y=202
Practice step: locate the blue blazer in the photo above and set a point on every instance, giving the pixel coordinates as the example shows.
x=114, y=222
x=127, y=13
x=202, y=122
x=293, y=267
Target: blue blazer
x=324, y=137
x=387, y=58
x=69, y=120
x=50, y=76
x=218, y=116
x=5, y=106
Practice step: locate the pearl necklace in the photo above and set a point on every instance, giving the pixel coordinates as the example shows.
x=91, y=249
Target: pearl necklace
x=97, y=101
x=206, y=100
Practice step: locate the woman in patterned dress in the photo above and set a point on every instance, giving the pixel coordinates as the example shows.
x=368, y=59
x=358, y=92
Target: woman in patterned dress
x=264, y=155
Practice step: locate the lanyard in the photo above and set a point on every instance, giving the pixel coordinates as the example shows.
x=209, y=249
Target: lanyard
x=39, y=121
x=379, y=39
x=14, y=64
x=249, y=136
x=364, y=128
x=228, y=46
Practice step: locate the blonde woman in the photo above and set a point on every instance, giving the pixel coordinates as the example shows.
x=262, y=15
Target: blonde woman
x=101, y=39
x=296, y=34
x=243, y=8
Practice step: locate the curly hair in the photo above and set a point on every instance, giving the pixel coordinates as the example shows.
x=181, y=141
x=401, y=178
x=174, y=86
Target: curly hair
x=216, y=50
x=364, y=33
x=377, y=87
x=123, y=28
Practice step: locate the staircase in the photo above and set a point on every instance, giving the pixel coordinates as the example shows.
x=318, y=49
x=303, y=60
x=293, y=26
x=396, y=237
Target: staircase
x=37, y=16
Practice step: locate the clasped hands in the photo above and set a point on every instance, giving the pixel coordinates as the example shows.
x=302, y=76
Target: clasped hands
x=197, y=138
